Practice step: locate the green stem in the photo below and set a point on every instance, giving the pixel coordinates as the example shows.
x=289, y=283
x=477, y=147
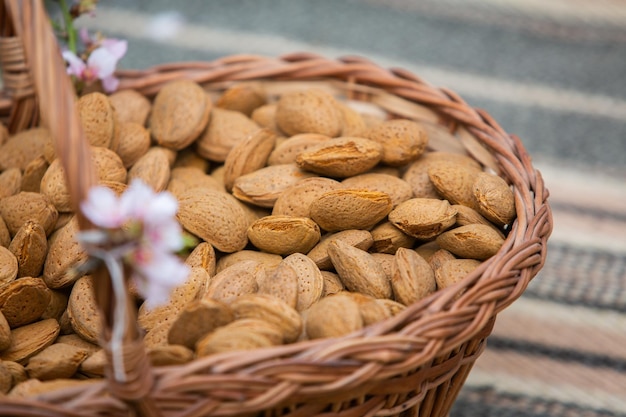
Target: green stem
x=69, y=27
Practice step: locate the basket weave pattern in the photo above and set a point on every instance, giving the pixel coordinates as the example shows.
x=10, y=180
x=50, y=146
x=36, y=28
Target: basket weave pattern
x=412, y=364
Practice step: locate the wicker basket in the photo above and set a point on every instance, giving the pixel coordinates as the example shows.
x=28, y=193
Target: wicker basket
x=412, y=364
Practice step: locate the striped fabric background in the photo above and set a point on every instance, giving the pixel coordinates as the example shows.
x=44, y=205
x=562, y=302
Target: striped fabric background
x=551, y=71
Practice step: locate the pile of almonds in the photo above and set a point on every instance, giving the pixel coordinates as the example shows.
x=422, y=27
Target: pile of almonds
x=313, y=220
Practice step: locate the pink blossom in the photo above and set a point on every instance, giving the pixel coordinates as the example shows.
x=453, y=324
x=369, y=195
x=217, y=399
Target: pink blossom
x=100, y=64
x=157, y=270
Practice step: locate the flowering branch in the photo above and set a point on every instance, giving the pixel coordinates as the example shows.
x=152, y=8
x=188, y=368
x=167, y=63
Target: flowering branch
x=99, y=58
x=138, y=230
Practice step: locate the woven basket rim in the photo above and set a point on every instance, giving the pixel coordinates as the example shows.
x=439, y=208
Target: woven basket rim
x=417, y=336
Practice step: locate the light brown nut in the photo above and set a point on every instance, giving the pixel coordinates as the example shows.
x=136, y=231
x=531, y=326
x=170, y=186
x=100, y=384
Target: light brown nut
x=454, y=271
x=30, y=339
x=226, y=226
x=6, y=380
x=152, y=168
x=203, y=256
x=16, y=371
x=192, y=289
x=260, y=326
x=94, y=365
x=108, y=167
x=371, y=311
x=184, y=179
x=269, y=260
x=387, y=238
x=412, y=278
x=56, y=361
x=8, y=266
x=85, y=317
x=5, y=333
x=332, y=284
x=353, y=123
x=287, y=151
x=284, y=235
x=24, y=300
x=423, y=218
x=474, y=241
x=30, y=247
x=454, y=182
x=263, y=187
x=296, y=200
x=64, y=254
x=361, y=239
x=417, y=172
x=271, y=309
x=4, y=134
x=440, y=257
x=57, y=305
x=10, y=182
x=226, y=339
x=386, y=260
x=18, y=209
x=398, y=189
x=264, y=116
x=333, y=316
x=248, y=155
x=77, y=341
x=309, y=111
x=134, y=142
x=310, y=280
x=33, y=173
x=244, y=98
x=188, y=158
x=98, y=119
x=225, y=130
x=403, y=140
x=428, y=249
x=346, y=209
x=34, y=387
x=197, y=319
x=130, y=106
x=282, y=283
x=180, y=112
x=23, y=147
x=341, y=157
x=392, y=306
x=359, y=271
x=235, y=281
x=5, y=236
x=156, y=337
x=170, y=355
x=495, y=198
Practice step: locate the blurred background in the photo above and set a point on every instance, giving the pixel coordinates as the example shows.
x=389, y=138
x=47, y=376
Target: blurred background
x=551, y=71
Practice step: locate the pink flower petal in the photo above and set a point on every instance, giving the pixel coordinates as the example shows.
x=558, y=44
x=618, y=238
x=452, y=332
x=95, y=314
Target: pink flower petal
x=134, y=200
x=102, y=208
x=102, y=63
x=76, y=65
x=116, y=47
x=110, y=84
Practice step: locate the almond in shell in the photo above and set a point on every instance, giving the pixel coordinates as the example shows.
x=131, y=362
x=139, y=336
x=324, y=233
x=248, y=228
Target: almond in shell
x=19, y=208
x=287, y=151
x=398, y=189
x=333, y=316
x=225, y=130
x=197, y=319
x=130, y=106
x=28, y=340
x=281, y=283
x=412, y=278
x=494, y=197
x=10, y=182
x=98, y=119
x=359, y=271
x=30, y=247
x=474, y=241
x=180, y=113
x=341, y=157
x=309, y=111
x=403, y=140
x=133, y=143
x=284, y=235
x=297, y=199
x=423, y=218
x=235, y=281
x=24, y=300
x=23, y=147
x=8, y=266
x=33, y=173
x=346, y=209
x=244, y=98
x=361, y=239
x=310, y=280
x=152, y=169
x=248, y=155
x=56, y=361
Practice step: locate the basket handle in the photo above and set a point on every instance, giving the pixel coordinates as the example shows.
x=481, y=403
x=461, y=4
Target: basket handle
x=56, y=98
